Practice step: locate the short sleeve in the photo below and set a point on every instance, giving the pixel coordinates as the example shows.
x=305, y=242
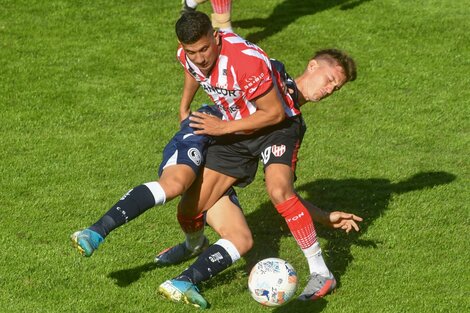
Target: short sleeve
x=254, y=78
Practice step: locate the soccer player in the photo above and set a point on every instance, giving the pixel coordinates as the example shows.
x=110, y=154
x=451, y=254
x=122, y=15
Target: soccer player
x=222, y=12
x=260, y=105
x=183, y=158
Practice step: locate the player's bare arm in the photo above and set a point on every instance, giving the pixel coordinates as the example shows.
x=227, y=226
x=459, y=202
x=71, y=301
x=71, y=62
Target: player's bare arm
x=335, y=219
x=269, y=112
x=190, y=88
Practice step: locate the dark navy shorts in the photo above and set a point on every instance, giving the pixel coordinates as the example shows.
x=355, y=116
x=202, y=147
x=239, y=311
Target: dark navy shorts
x=187, y=148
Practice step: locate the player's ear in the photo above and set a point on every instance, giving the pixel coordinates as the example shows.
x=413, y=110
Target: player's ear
x=217, y=36
x=312, y=65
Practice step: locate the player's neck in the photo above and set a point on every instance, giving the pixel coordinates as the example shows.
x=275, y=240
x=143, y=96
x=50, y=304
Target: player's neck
x=301, y=98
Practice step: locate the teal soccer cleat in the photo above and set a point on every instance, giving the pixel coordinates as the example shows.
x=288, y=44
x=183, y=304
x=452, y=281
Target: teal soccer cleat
x=86, y=241
x=182, y=291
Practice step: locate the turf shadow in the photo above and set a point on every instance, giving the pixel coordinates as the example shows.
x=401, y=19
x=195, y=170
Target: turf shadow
x=368, y=198
x=288, y=12
x=126, y=277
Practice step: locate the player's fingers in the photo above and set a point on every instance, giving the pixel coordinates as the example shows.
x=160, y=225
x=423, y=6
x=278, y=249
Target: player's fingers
x=355, y=226
x=356, y=218
x=195, y=119
x=200, y=132
x=196, y=125
x=351, y=216
x=199, y=114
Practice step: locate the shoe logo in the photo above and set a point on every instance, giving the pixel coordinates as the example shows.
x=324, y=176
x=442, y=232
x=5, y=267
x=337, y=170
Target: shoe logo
x=195, y=156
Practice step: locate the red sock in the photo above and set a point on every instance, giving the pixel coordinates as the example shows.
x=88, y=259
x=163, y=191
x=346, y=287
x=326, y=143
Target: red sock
x=299, y=221
x=191, y=224
x=221, y=6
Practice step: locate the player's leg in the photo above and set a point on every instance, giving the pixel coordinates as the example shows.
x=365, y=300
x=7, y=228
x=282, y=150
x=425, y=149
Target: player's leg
x=174, y=181
x=183, y=157
x=221, y=18
x=279, y=151
x=226, y=217
x=203, y=193
x=190, y=5
x=218, y=175
x=279, y=182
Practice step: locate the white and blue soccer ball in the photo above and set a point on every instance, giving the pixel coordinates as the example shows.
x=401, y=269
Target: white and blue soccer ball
x=272, y=282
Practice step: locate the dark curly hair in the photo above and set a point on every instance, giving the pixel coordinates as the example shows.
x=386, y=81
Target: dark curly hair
x=192, y=26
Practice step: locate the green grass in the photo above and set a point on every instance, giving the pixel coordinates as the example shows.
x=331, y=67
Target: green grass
x=89, y=94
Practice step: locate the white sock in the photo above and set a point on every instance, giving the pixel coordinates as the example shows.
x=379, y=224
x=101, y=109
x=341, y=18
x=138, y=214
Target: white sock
x=316, y=263
x=195, y=240
x=230, y=248
x=191, y=3
x=157, y=192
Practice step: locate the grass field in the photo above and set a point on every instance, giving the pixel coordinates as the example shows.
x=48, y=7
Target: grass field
x=89, y=94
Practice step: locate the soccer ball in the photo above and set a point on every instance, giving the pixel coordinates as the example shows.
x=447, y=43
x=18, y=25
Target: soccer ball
x=272, y=282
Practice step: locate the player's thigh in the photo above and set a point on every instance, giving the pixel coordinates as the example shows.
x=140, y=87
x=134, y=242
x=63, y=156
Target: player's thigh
x=228, y=220
x=233, y=160
x=176, y=179
x=208, y=187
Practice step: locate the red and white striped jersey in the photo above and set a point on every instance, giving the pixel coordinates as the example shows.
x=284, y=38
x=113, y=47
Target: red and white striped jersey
x=242, y=73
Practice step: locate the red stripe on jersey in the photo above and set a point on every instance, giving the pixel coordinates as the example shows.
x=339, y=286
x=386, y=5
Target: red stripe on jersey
x=242, y=73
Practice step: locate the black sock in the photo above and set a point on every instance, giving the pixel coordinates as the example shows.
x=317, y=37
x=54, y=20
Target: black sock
x=131, y=205
x=211, y=262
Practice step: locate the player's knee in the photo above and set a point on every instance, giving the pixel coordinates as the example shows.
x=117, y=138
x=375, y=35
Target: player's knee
x=241, y=239
x=247, y=244
x=188, y=209
x=174, y=190
x=279, y=193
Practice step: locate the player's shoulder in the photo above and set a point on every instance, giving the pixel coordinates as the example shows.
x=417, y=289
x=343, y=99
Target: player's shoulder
x=278, y=66
x=245, y=57
x=237, y=45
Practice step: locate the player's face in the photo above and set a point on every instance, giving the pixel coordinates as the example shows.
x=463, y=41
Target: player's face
x=323, y=79
x=204, y=52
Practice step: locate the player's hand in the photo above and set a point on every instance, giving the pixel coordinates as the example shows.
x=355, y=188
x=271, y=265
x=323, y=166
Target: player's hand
x=344, y=221
x=206, y=124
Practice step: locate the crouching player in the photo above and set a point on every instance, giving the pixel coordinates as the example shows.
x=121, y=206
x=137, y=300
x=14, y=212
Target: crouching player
x=183, y=158
x=271, y=106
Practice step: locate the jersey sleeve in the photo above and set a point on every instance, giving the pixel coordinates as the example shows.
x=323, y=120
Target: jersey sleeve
x=180, y=56
x=255, y=78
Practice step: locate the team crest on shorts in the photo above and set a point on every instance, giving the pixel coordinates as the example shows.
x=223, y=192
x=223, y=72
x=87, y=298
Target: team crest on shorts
x=278, y=150
x=195, y=156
